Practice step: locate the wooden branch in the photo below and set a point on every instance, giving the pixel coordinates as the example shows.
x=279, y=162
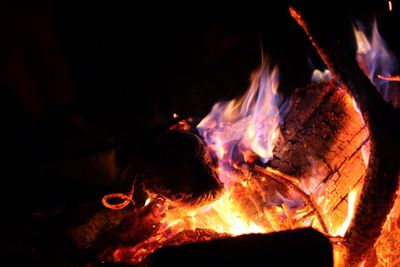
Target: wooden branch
x=381, y=180
x=290, y=182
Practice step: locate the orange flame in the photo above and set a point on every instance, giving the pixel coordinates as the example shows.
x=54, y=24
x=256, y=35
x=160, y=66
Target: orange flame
x=255, y=199
x=232, y=130
x=222, y=216
x=350, y=213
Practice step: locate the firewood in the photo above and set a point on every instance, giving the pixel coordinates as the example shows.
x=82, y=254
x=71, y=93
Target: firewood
x=307, y=247
x=381, y=181
x=322, y=139
x=177, y=166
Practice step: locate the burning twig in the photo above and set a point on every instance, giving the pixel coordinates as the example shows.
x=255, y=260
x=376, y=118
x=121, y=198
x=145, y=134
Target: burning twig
x=126, y=199
x=394, y=78
x=291, y=182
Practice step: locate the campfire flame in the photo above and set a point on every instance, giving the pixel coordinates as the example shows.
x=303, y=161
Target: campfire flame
x=245, y=125
x=376, y=60
x=240, y=136
x=352, y=197
x=236, y=132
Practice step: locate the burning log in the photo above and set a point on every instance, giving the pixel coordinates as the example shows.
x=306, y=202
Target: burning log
x=176, y=166
x=306, y=247
x=184, y=170
x=381, y=179
x=322, y=145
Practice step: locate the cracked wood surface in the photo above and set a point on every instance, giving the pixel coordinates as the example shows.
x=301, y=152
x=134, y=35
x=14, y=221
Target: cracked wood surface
x=323, y=138
x=334, y=45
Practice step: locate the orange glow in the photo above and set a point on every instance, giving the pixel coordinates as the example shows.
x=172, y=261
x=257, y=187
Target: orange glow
x=390, y=5
x=388, y=244
x=395, y=78
x=255, y=199
x=350, y=213
x=182, y=125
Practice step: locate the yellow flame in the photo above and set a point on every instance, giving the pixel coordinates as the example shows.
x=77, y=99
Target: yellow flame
x=352, y=196
x=222, y=216
x=254, y=199
x=147, y=202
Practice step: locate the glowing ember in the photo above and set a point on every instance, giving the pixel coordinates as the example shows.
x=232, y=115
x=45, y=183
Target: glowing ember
x=223, y=216
x=249, y=123
x=126, y=199
x=390, y=78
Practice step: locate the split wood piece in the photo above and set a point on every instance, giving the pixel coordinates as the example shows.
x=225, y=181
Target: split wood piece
x=381, y=181
x=302, y=124
x=324, y=131
x=322, y=141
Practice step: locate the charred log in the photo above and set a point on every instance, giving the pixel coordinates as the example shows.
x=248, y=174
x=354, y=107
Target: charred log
x=316, y=130
x=306, y=247
x=322, y=139
x=178, y=167
x=381, y=179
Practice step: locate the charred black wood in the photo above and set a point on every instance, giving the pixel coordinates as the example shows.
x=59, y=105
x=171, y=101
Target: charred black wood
x=178, y=167
x=335, y=46
x=310, y=128
x=306, y=247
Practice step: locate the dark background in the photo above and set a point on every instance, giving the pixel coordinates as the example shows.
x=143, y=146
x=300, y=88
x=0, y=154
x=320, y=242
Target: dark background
x=76, y=80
